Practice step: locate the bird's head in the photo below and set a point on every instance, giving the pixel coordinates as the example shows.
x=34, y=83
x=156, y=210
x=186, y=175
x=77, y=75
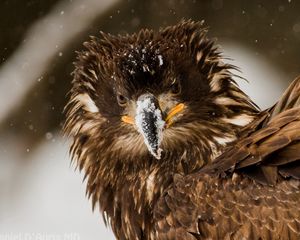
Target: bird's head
x=153, y=93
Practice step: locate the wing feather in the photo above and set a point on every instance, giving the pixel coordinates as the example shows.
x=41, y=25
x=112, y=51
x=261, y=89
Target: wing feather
x=251, y=191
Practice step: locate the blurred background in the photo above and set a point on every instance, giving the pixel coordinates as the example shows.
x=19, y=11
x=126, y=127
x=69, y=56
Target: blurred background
x=40, y=191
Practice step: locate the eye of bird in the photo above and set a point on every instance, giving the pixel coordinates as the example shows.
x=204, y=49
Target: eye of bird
x=175, y=87
x=122, y=100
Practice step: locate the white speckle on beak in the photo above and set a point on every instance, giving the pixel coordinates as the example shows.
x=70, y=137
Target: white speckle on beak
x=146, y=128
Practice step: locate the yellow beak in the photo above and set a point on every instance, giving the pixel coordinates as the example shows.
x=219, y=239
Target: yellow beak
x=175, y=110
x=127, y=119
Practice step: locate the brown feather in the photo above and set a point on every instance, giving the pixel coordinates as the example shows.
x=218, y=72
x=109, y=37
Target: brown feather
x=227, y=170
x=263, y=206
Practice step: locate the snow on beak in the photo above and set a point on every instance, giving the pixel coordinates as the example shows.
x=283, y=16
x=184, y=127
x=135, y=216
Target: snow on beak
x=150, y=123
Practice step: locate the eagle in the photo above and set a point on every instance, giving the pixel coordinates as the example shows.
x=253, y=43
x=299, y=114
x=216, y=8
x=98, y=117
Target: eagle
x=170, y=146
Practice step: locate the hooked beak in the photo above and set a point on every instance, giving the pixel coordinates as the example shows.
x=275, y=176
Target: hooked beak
x=150, y=123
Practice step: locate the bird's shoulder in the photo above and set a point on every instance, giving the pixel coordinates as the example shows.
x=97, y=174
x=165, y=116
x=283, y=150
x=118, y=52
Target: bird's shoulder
x=258, y=172
x=269, y=148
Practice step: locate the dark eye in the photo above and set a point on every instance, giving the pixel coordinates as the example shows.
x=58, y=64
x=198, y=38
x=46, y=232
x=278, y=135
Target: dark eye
x=175, y=88
x=121, y=100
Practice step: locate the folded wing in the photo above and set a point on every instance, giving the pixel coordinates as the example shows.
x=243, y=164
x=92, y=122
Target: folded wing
x=251, y=191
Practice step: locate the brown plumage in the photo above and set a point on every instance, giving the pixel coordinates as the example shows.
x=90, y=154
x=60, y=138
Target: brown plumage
x=173, y=149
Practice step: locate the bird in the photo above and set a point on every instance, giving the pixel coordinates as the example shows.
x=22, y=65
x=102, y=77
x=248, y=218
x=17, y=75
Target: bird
x=170, y=146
